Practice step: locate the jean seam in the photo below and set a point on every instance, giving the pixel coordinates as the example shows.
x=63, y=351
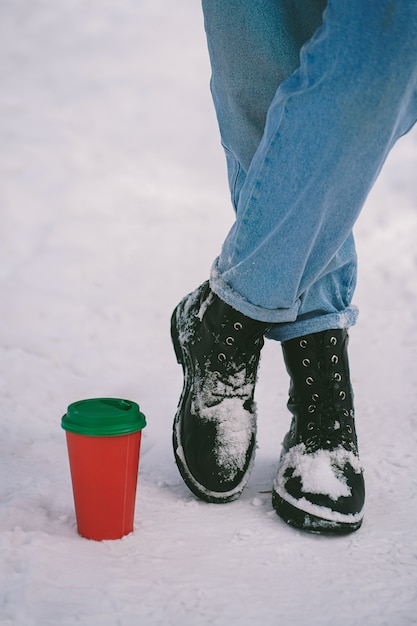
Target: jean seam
x=234, y=177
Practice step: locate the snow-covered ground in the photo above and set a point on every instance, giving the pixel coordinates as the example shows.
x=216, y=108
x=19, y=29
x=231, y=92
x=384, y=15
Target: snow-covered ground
x=113, y=205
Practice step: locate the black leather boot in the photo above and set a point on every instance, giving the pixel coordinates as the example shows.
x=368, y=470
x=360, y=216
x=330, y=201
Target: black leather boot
x=214, y=432
x=319, y=486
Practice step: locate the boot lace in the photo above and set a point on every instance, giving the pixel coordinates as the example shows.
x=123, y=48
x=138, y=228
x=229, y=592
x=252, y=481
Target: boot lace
x=326, y=401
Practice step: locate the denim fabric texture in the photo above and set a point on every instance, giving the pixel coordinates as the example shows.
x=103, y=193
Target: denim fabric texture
x=310, y=98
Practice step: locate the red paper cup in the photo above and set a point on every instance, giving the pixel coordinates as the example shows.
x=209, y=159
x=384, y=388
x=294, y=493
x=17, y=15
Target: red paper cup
x=103, y=438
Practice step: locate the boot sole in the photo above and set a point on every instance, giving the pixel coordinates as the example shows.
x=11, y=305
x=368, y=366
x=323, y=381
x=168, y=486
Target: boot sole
x=213, y=497
x=308, y=522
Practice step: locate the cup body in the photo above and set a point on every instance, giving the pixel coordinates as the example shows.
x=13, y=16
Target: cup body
x=104, y=473
x=103, y=440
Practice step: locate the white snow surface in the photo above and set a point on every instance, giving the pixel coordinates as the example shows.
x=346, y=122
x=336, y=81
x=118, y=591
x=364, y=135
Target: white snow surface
x=113, y=205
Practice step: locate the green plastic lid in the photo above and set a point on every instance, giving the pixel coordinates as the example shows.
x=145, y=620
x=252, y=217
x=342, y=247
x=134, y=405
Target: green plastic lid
x=103, y=417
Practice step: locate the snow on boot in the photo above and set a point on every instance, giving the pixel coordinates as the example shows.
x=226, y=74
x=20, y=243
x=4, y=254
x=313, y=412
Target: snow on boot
x=214, y=432
x=319, y=486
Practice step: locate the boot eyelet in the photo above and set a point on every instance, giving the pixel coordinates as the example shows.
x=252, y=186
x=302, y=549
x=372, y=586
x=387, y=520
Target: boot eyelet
x=309, y=380
x=342, y=395
x=309, y=441
x=222, y=357
x=306, y=362
x=237, y=326
x=311, y=408
x=345, y=412
x=337, y=377
x=230, y=341
x=333, y=340
x=303, y=343
x=315, y=397
x=335, y=359
x=349, y=429
x=310, y=426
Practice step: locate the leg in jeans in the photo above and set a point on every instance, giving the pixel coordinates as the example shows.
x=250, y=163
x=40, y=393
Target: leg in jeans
x=304, y=146
x=214, y=434
x=299, y=182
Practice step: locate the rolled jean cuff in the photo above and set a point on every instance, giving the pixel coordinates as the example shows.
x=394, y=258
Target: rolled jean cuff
x=327, y=321
x=285, y=323
x=241, y=304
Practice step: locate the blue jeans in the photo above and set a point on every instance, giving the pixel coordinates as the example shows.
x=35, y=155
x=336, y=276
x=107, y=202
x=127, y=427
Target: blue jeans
x=310, y=98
